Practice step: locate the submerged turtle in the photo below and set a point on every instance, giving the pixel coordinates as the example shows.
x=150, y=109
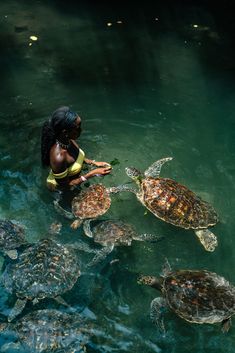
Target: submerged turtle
x=11, y=238
x=174, y=203
x=110, y=233
x=196, y=296
x=45, y=269
x=48, y=331
x=89, y=203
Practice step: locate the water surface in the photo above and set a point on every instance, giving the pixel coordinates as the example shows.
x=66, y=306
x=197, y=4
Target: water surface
x=149, y=81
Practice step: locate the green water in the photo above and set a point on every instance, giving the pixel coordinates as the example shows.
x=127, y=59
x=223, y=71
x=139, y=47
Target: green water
x=148, y=86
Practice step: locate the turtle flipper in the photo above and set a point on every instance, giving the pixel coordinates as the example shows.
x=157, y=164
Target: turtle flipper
x=80, y=245
x=87, y=228
x=226, y=324
x=120, y=188
x=155, y=169
x=207, y=238
x=12, y=254
x=101, y=255
x=17, y=309
x=61, y=211
x=148, y=237
x=157, y=309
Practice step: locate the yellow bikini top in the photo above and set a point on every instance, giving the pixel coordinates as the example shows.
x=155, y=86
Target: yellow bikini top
x=74, y=169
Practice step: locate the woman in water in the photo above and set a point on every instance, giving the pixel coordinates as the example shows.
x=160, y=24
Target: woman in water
x=61, y=153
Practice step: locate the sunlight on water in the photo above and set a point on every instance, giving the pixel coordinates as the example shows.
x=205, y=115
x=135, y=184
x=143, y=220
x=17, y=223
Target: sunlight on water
x=148, y=84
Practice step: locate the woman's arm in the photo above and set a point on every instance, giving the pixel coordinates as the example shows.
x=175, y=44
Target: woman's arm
x=97, y=164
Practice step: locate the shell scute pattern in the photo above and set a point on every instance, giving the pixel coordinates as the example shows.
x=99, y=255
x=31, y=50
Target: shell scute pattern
x=50, y=330
x=113, y=232
x=45, y=269
x=176, y=204
x=199, y=296
x=92, y=202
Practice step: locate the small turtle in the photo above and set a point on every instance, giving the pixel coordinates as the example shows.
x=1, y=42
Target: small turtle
x=89, y=203
x=48, y=331
x=11, y=238
x=110, y=233
x=174, y=203
x=45, y=269
x=195, y=296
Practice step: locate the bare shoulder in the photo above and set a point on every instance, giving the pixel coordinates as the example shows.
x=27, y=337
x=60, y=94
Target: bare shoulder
x=58, y=159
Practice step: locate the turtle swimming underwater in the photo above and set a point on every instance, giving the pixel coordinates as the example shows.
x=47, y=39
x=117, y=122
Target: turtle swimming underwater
x=196, y=296
x=174, y=203
x=89, y=203
x=111, y=233
x=45, y=269
x=48, y=331
x=11, y=238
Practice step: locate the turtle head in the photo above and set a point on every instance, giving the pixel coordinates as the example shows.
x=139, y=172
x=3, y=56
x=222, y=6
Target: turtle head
x=151, y=281
x=134, y=174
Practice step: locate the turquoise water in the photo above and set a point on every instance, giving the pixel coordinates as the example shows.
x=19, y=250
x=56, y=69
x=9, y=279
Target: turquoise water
x=149, y=82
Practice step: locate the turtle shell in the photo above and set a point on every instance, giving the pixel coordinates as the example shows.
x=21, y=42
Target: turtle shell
x=11, y=235
x=113, y=232
x=199, y=296
x=176, y=204
x=45, y=269
x=92, y=202
x=52, y=330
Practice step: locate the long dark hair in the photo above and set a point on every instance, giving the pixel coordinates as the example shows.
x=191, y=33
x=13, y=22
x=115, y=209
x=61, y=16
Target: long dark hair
x=62, y=119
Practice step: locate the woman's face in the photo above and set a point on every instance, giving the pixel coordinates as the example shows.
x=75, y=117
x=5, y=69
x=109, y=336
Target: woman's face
x=75, y=132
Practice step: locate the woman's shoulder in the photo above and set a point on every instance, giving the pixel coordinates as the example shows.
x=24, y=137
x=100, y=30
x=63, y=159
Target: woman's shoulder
x=58, y=159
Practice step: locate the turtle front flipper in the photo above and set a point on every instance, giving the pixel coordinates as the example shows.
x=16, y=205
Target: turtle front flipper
x=12, y=254
x=157, y=308
x=17, y=309
x=61, y=211
x=226, y=324
x=77, y=223
x=87, y=228
x=101, y=255
x=148, y=237
x=120, y=188
x=207, y=238
x=155, y=169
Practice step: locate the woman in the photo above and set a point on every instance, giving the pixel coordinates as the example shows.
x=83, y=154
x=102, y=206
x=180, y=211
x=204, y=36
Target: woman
x=62, y=154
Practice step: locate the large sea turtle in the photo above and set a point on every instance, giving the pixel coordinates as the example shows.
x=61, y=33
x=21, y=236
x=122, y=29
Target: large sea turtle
x=197, y=296
x=89, y=203
x=174, y=203
x=44, y=269
x=12, y=237
x=48, y=331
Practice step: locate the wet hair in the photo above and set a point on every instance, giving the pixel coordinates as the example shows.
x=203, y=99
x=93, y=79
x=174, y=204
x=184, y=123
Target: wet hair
x=62, y=119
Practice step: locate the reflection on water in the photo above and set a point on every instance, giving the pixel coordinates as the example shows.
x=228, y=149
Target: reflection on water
x=157, y=82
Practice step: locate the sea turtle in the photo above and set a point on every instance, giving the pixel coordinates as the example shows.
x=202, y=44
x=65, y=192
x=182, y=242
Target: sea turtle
x=197, y=296
x=44, y=269
x=11, y=238
x=89, y=203
x=110, y=233
x=174, y=203
x=47, y=331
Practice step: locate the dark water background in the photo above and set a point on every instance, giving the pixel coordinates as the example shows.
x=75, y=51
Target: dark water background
x=149, y=80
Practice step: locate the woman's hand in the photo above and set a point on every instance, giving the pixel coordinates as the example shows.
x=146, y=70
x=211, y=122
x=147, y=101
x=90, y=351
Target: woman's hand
x=101, y=164
x=100, y=171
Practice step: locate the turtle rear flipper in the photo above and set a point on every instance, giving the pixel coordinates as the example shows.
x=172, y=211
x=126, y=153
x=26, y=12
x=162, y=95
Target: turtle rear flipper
x=155, y=169
x=157, y=308
x=148, y=237
x=17, y=309
x=207, y=238
x=226, y=324
x=62, y=211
